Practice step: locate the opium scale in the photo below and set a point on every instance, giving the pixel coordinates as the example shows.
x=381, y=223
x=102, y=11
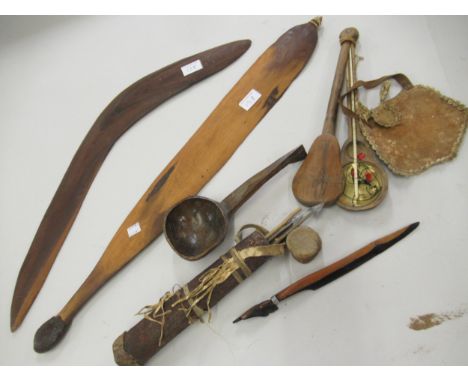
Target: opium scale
x=365, y=181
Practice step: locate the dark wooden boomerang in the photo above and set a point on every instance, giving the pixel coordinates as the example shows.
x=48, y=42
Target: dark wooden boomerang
x=127, y=108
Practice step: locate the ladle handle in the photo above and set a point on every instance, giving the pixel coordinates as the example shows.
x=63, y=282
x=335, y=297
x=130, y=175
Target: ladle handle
x=240, y=195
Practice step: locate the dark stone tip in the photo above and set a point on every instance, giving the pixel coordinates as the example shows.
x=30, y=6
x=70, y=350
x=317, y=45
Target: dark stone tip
x=49, y=334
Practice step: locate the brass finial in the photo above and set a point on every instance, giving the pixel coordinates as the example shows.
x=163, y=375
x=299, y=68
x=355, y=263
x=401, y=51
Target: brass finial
x=349, y=35
x=316, y=21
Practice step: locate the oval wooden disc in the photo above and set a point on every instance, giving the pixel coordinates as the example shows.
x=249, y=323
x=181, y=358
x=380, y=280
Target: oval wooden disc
x=304, y=243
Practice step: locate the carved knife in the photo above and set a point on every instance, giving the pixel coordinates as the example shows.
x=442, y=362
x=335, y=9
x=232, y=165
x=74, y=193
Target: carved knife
x=332, y=272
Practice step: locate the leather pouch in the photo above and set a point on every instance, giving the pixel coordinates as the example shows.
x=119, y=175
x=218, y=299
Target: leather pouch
x=414, y=130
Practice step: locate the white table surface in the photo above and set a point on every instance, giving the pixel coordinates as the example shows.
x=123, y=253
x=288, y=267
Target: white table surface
x=58, y=73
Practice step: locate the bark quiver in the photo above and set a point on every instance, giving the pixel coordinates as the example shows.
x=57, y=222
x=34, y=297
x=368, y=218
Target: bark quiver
x=144, y=340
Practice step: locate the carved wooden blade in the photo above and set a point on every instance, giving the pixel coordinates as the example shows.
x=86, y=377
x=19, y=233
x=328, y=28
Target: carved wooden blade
x=127, y=108
x=202, y=156
x=330, y=273
x=345, y=265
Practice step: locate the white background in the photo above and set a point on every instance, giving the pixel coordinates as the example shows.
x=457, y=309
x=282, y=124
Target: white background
x=58, y=74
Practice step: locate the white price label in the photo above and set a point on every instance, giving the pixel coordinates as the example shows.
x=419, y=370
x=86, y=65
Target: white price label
x=250, y=99
x=193, y=67
x=133, y=229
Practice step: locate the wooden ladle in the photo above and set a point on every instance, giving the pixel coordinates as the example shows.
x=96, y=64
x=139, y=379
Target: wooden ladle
x=319, y=180
x=197, y=225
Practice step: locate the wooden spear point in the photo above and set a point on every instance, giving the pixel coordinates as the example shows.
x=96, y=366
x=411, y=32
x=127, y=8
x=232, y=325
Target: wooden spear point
x=320, y=177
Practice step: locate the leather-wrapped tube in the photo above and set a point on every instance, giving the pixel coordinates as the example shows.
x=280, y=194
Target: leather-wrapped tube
x=137, y=345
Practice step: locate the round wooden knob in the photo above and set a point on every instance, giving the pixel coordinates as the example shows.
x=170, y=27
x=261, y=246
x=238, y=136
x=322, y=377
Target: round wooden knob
x=349, y=34
x=304, y=244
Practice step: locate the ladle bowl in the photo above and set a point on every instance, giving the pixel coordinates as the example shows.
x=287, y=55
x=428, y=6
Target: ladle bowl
x=195, y=226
